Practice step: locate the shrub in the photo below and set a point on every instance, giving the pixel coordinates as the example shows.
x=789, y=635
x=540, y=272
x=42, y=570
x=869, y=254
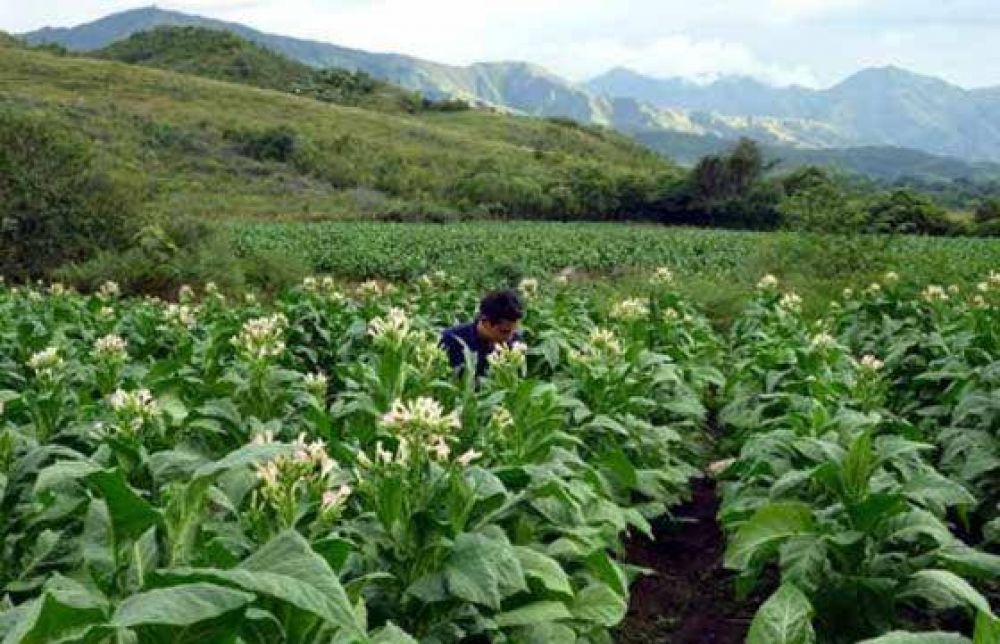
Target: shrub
x=56, y=204
x=272, y=144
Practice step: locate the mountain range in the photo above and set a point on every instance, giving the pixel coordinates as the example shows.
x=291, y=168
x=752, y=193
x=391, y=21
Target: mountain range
x=882, y=107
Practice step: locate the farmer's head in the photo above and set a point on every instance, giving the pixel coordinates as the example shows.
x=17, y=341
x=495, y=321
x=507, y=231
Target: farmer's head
x=500, y=313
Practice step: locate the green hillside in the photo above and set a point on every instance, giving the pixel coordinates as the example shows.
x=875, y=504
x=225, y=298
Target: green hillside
x=226, y=150
x=225, y=56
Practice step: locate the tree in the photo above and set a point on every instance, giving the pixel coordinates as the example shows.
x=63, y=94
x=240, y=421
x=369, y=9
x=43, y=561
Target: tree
x=56, y=204
x=822, y=207
x=988, y=210
x=906, y=211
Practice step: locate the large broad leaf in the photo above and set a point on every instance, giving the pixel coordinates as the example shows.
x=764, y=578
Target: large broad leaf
x=536, y=613
x=483, y=570
x=392, y=634
x=785, y=618
x=546, y=633
x=288, y=569
x=182, y=605
x=598, y=603
x=971, y=563
x=131, y=515
x=245, y=456
x=935, y=637
x=769, y=526
x=944, y=589
x=987, y=629
x=64, y=607
x=545, y=569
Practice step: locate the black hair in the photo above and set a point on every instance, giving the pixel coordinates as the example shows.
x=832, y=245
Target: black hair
x=503, y=305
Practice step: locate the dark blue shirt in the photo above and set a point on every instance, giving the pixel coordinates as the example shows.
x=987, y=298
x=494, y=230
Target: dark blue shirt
x=456, y=339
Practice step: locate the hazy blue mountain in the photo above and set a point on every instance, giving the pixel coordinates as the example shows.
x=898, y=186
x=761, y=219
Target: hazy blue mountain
x=886, y=107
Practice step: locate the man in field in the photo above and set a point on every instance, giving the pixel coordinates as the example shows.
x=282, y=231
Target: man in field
x=500, y=314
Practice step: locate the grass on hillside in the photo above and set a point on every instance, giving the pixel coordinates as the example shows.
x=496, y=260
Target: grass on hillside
x=179, y=130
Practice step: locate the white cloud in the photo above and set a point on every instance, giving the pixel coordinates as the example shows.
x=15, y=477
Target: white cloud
x=677, y=55
x=799, y=9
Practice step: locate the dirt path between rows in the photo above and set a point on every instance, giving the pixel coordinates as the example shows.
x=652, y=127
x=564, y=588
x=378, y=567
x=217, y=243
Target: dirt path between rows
x=690, y=599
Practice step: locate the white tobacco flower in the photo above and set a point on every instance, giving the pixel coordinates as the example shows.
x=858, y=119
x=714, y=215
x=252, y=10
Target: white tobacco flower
x=467, y=457
x=269, y=474
x=333, y=499
x=767, y=282
x=528, y=287
x=790, y=302
x=670, y=314
x=110, y=348
x=501, y=418
x=394, y=327
x=316, y=384
x=871, y=363
x=109, y=290
x=45, y=362
x=983, y=287
x=994, y=278
x=604, y=340
x=57, y=289
x=509, y=355
x=934, y=293
x=439, y=449
x=106, y=313
x=310, y=284
x=185, y=294
x=382, y=455
x=422, y=414
x=874, y=288
x=180, y=314
x=662, y=276
x=250, y=298
x=823, y=340
x=979, y=302
x=630, y=309
x=262, y=338
x=425, y=281
x=891, y=277
x=848, y=293
x=263, y=438
x=211, y=288
x=954, y=289
x=135, y=403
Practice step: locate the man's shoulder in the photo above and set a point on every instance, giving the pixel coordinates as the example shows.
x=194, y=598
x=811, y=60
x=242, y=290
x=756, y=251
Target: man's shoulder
x=463, y=331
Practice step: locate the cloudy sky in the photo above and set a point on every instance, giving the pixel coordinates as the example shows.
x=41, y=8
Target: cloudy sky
x=811, y=42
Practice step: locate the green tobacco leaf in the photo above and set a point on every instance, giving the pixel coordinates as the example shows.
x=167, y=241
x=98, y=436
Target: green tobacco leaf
x=131, y=515
x=288, y=569
x=64, y=607
x=483, y=570
x=547, y=633
x=536, y=613
x=987, y=629
x=769, y=526
x=182, y=605
x=609, y=571
x=545, y=569
x=392, y=634
x=785, y=618
x=598, y=603
x=245, y=456
x=944, y=589
x=902, y=637
x=969, y=562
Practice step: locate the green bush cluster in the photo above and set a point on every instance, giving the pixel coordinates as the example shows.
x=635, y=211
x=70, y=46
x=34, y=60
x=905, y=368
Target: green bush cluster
x=57, y=203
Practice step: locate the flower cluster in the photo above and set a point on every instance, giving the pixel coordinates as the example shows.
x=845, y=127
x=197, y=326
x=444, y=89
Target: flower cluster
x=309, y=470
x=373, y=288
x=528, y=287
x=790, y=302
x=423, y=414
x=110, y=349
x=393, y=328
x=630, y=309
x=662, y=276
x=934, y=293
x=767, y=283
x=134, y=409
x=262, y=338
x=822, y=340
x=871, y=363
x=604, y=341
x=109, y=290
x=511, y=356
x=891, y=277
x=564, y=276
x=316, y=384
x=874, y=288
x=181, y=315
x=185, y=294
x=46, y=363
